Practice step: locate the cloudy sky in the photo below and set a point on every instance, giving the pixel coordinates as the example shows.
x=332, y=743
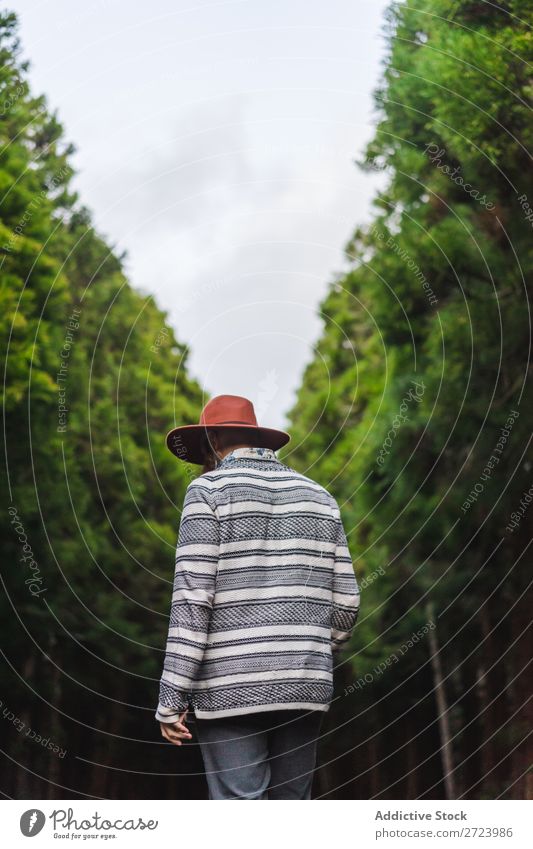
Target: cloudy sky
x=216, y=144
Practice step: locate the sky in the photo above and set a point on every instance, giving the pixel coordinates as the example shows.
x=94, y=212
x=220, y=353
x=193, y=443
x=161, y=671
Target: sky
x=216, y=146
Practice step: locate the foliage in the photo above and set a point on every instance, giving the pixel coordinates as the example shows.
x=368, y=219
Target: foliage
x=93, y=491
x=437, y=296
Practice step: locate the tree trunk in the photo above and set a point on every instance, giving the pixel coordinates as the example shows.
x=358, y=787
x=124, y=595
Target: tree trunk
x=442, y=708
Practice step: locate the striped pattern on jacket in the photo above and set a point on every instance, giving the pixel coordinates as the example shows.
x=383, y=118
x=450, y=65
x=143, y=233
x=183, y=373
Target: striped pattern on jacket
x=264, y=592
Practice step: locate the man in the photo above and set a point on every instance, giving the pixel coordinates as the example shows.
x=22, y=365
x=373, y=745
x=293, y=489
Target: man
x=264, y=594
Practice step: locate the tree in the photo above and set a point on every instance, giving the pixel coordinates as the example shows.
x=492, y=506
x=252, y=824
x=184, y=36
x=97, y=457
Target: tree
x=93, y=379
x=421, y=424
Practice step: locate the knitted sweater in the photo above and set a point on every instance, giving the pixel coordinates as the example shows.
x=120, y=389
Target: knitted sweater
x=264, y=592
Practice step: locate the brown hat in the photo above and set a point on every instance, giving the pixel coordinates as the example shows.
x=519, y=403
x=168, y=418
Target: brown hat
x=228, y=412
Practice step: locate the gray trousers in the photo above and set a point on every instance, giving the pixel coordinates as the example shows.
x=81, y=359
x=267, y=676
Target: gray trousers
x=268, y=755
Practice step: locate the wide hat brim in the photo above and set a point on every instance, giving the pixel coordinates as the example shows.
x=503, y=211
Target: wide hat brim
x=188, y=442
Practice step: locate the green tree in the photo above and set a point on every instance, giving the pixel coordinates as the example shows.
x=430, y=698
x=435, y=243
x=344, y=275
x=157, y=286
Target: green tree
x=93, y=378
x=420, y=378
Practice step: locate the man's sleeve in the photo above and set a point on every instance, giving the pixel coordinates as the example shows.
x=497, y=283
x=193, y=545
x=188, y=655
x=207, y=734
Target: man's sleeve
x=192, y=600
x=345, y=592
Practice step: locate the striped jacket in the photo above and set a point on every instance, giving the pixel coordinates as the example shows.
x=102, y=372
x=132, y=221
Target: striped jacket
x=264, y=592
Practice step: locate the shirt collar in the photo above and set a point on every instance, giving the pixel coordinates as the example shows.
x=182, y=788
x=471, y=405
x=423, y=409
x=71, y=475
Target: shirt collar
x=249, y=452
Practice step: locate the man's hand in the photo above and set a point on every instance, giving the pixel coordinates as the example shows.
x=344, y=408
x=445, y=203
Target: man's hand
x=176, y=732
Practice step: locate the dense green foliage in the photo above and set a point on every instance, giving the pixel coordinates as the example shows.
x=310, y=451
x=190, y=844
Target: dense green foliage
x=424, y=359
x=94, y=378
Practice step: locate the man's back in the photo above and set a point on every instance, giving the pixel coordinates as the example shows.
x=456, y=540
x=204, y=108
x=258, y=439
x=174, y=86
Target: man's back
x=264, y=589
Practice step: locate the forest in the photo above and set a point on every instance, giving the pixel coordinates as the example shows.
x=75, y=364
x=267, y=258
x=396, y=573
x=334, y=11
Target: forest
x=414, y=411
